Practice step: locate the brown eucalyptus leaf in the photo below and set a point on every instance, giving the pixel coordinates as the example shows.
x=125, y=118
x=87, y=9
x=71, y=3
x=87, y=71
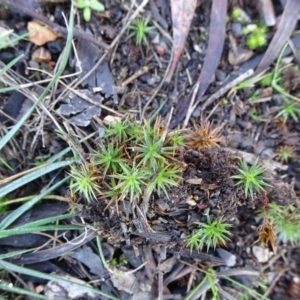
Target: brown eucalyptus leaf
x=217, y=31
x=182, y=15
x=286, y=26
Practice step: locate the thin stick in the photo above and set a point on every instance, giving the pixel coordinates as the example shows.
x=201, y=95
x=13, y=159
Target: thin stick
x=139, y=73
x=217, y=95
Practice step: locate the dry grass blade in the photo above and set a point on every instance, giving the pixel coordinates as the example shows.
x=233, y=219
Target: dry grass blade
x=204, y=136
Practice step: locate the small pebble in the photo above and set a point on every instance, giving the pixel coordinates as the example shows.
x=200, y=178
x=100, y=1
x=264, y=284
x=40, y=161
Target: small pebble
x=271, y=276
x=261, y=254
x=196, y=113
x=111, y=119
x=237, y=29
x=160, y=50
x=55, y=47
x=229, y=258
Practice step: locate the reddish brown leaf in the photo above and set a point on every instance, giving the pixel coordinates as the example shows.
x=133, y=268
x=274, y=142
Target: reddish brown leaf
x=216, y=40
x=182, y=15
x=286, y=26
x=266, y=235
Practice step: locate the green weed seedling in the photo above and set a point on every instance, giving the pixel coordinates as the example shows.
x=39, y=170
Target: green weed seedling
x=236, y=14
x=209, y=234
x=257, y=38
x=266, y=80
x=88, y=6
x=255, y=114
x=120, y=261
x=276, y=78
x=140, y=30
x=252, y=178
x=290, y=110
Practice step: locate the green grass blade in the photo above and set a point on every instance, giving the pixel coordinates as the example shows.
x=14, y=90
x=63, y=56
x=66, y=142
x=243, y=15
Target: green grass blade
x=16, y=39
x=59, y=155
x=249, y=290
x=15, y=253
x=203, y=286
x=26, y=206
x=48, y=220
x=155, y=114
x=8, y=89
x=32, y=176
x=59, y=72
x=2, y=161
x=14, y=268
x=10, y=64
x=13, y=289
x=101, y=254
x=25, y=230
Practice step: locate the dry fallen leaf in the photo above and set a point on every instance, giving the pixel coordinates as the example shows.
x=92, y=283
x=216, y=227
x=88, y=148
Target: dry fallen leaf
x=41, y=55
x=182, y=16
x=286, y=26
x=217, y=28
x=41, y=34
x=124, y=281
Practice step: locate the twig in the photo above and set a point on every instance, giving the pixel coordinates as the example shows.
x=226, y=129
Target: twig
x=190, y=109
x=217, y=95
x=274, y=282
x=157, y=90
x=268, y=163
x=224, y=293
x=139, y=73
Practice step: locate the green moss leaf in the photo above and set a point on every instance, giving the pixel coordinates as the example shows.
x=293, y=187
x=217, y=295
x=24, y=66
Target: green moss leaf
x=97, y=6
x=87, y=14
x=82, y=4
